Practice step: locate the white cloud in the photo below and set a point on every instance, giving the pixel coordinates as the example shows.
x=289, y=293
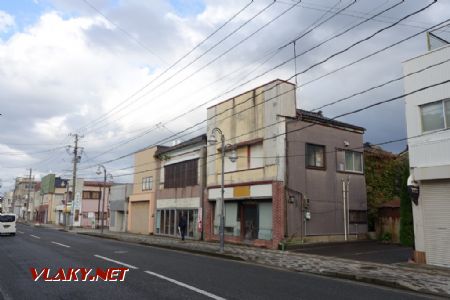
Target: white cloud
x=67, y=69
x=6, y=21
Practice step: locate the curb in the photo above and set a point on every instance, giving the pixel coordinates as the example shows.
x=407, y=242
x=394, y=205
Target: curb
x=193, y=251
x=330, y=274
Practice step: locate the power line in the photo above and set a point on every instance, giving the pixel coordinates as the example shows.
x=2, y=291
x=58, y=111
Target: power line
x=373, y=53
x=338, y=116
x=358, y=42
x=28, y=153
x=280, y=48
x=171, y=66
x=129, y=35
x=213, y=60
x=380, y=85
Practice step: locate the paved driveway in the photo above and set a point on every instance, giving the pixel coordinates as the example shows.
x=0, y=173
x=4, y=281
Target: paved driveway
x=372, y=251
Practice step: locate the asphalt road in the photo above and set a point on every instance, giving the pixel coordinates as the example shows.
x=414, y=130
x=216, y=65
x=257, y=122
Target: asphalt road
x=156, y=273
x=372, y=251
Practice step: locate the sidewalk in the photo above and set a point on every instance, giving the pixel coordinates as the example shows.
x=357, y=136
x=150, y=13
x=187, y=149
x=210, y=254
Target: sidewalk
x=423, y=279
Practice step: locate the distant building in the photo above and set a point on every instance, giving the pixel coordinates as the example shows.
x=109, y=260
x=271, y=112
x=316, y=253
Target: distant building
x=118, y=206
x=428, y=124
x=52, y=196
x=23, y=185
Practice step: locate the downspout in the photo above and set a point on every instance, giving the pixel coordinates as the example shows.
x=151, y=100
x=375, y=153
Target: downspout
x=98, y=208
x=286, y=179
x=204, y=189
x=125, y=212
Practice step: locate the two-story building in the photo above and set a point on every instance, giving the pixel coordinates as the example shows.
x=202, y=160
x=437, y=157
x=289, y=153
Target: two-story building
x=91, y=213
x=52, y=191
x=326, y=188
x=428, y=124
x=142, y=202
x=296, y=174
x=180, y=187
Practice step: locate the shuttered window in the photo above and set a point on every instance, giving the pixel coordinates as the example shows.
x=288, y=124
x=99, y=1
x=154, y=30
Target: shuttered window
x=181, y=174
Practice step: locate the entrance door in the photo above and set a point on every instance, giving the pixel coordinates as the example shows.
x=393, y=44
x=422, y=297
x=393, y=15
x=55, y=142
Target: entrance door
x=250, y=221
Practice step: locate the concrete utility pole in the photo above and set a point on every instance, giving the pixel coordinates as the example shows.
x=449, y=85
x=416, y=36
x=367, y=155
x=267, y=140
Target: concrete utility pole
x=28, y=218
x=75, y=160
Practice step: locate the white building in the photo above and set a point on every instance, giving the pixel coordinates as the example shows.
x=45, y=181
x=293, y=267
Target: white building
x=118, y=206
x=428, y=124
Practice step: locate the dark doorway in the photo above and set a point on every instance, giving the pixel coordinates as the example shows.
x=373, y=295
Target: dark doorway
x=250, y=221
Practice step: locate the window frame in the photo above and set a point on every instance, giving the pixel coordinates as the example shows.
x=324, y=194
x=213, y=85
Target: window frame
x=353, y=158
x=359, y=214
x=324, y=157
x=181, y=174
x=445, y=103
x=147, y=183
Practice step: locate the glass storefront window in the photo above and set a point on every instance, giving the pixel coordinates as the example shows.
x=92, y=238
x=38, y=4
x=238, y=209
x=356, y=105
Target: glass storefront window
x=168, y=222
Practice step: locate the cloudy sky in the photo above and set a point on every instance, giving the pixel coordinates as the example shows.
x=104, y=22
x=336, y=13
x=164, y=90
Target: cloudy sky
x=105, y=69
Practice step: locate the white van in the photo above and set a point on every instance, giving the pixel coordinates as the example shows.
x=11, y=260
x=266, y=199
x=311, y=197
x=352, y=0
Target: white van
x=8, y=224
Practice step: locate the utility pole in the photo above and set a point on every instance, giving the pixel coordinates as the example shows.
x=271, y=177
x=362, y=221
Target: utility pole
x=75, y=160
x=28, y=218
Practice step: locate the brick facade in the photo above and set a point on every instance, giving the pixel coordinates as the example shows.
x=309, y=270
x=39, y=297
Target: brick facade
x=278, y=221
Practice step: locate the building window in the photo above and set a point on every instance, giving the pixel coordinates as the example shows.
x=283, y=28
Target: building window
x=435, y=115
x=256, y=156
x=315, y=156
x=357, y=217
x=167, y=222
x=353, y=161
x=181, y=174
x=147, y=183
x=91, y=195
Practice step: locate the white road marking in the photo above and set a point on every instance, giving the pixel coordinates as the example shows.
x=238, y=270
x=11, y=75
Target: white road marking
x=59, y=244
x=36, y=237
x=116, y=261
x=192, y=288
x=21, y=232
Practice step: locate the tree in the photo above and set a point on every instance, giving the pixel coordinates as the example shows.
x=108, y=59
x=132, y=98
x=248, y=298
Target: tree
x=406, y=216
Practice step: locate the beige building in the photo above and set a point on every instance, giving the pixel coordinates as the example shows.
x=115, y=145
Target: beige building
x=142, y=202
x=253, y=124
x=22, y=187
x=52, y=194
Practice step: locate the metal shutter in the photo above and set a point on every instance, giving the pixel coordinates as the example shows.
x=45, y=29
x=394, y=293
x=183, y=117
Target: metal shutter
x=139, y=217
x=435, y=197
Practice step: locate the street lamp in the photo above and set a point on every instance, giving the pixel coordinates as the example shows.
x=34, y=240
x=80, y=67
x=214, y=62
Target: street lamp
x=212, y=140
x=99, y=172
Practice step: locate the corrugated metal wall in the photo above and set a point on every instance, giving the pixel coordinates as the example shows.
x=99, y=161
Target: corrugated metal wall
x=435, y=197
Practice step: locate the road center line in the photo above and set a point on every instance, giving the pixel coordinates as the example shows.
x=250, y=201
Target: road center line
x=192, y=288
x=36, y=237
x=59, y=244
x=116, y=261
